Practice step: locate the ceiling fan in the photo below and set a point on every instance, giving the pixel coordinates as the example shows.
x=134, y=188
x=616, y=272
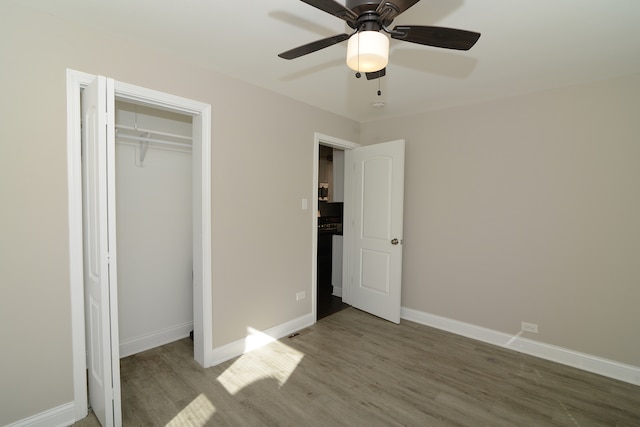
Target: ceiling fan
x=368, y=48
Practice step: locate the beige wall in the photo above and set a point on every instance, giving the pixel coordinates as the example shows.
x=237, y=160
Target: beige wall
x=261, y=239
x=527, y=209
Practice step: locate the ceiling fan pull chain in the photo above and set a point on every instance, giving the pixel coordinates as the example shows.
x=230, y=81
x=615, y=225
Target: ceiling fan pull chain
x=379, y=91
x=358, y=75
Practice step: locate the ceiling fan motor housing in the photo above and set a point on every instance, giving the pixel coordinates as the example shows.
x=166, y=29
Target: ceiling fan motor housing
x=362, y=6
x=369, y=22
x=370, y=18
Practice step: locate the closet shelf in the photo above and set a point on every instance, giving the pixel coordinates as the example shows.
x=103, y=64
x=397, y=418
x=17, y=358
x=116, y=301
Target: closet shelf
x=144, y=137
x=153, y=140
x=140, y=134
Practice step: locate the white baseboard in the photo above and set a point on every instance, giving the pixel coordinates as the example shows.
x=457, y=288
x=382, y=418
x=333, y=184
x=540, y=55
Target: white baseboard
x=337, y=291
x=256, y=339
x=586, y=362
x=60, y=416
x=155, y=339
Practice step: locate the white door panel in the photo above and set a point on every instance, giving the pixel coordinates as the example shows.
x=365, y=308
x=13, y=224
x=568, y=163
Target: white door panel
x=378, y=196
x=99, y=251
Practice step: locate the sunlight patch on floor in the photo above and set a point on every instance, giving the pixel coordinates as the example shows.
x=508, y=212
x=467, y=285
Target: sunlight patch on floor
x=196, y=413
x=256, y=339
x=275, y=361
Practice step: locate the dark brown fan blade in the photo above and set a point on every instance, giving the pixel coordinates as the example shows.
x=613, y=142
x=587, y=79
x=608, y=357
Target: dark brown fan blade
x=394, y=7
x=376, y=74
x=313, y=46
x=448, y=38
x=335, y=9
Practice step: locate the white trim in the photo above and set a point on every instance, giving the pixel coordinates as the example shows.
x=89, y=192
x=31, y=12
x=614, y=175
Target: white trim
x=76, y=80
x=314, y=228
x=203, y=327
x=247, y=344
x=345, y=145
x=347, y=227
x=154, y=339
x=60, y=416
x=202, y=282
x=158, y=100
x=334, y=142
x=575, y=359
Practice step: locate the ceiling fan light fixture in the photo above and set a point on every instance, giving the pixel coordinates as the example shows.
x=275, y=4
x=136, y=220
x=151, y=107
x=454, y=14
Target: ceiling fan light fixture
x=368, y=51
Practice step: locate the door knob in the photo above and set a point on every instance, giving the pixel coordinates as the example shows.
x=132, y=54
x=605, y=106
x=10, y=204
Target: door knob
x=395, y=241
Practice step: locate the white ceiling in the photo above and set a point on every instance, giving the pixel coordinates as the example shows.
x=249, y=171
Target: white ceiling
x=526, y=46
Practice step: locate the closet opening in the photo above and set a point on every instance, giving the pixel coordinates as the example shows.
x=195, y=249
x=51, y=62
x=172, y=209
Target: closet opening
x=154, y=216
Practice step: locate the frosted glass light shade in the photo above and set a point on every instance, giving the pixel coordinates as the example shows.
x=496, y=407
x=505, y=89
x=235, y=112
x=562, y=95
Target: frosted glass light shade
x=368, y=51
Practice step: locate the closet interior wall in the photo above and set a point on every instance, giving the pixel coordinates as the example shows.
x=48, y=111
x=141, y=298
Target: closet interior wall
x=153, y=226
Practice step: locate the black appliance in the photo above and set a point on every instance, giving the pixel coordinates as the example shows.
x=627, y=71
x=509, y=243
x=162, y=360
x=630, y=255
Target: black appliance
x=331, y=224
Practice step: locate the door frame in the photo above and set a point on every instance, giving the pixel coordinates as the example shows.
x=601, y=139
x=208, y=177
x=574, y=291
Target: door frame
x=201, y=182
x=347, y=146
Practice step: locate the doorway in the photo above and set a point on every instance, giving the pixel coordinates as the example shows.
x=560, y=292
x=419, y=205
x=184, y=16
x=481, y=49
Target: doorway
x=330, y=230
x=329, y=258
x=373, y=225
x=201, y=191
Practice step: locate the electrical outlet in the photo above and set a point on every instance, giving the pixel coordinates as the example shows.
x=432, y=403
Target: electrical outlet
x=300, y=295
x=530, y=327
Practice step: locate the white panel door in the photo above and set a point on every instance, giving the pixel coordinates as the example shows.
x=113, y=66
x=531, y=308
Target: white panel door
x=101, y=310
x=378, y=196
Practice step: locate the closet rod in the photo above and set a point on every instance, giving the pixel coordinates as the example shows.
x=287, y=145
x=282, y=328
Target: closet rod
x=152, y=140
x=136, y=129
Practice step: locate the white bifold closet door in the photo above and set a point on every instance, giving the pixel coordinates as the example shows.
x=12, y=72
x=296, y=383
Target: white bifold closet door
x=100, y=272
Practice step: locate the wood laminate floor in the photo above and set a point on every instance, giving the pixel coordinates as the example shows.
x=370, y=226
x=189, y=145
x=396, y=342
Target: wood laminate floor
x=353, y=369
